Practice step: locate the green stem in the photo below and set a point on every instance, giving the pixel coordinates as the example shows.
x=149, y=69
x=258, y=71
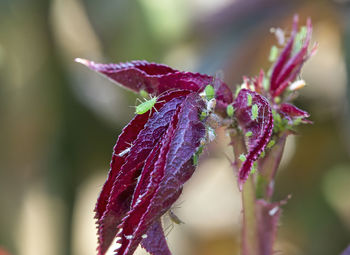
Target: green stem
x=250, y=238
x=268, y=168
x=250, y=234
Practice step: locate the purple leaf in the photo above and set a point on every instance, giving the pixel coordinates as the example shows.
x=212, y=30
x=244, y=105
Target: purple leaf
x=134, y=75
x=284, y=56
x=288, y=66
x=106, y=225
x=291, y=112
x=150, y=163
x=157, y=78
x=124, y=142
x=155, y=242
x=139, y=137
x=347, y=251
x=258, y=127
x=163, y=176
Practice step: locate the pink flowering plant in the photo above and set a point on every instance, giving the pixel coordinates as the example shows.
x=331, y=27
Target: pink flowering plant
x=157, y=152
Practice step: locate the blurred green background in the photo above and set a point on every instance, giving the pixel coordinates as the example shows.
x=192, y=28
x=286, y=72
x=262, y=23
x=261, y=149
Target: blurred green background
x=59, y=121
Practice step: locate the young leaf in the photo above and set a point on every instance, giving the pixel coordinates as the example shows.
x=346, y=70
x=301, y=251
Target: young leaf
x=291, y=112
x=289, y=63
x=157, y=78
x=260, y=128
x=162, y=179
x=114, y=200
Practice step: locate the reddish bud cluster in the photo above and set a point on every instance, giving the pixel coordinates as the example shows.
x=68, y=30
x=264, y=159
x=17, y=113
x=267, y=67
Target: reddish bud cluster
x=152, y=158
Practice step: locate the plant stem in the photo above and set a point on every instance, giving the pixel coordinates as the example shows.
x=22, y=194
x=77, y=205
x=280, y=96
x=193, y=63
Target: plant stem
x=268, y=166
x=250, y=238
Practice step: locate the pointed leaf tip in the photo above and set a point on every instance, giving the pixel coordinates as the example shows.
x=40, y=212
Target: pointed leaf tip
x=293, y=113
x=83, y=61
x=289, y=63
x=157, y=78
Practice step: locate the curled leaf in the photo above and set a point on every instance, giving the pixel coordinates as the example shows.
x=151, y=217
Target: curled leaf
x=163, y=176
x=138, y=138
x=259, y=125
x=146, y=178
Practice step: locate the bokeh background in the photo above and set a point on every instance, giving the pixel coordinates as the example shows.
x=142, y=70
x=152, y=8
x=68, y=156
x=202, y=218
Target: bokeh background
x=59, y=121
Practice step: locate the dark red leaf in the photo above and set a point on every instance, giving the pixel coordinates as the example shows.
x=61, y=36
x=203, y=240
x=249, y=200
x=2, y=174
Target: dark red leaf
x=288, y=66
x=283, y=58
x=125, y=140
x=161, y=181
x=156, y=78
x=260, y=129
x=127, y=137
x=134, y=75
x=291, y=112
x=115, y=198
x=130, y=237
x=154, y=242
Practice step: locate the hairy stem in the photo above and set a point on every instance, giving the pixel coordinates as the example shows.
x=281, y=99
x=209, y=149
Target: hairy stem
x=250, y=238
x=268, y=167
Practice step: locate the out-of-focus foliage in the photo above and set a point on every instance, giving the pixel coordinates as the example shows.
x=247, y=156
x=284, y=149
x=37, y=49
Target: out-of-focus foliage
x=59, y=122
